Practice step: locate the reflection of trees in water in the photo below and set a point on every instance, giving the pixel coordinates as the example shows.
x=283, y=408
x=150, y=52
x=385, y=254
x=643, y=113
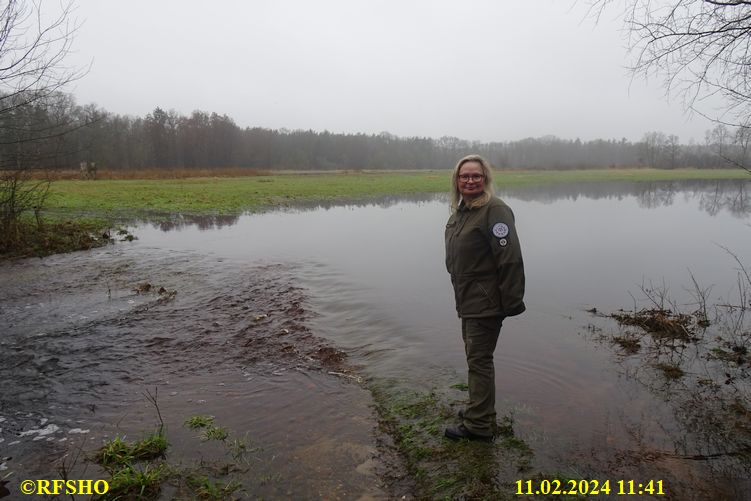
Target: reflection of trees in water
x=713, y=196
x=705, y=383
x=179, y=221
x=653, y=195
x=168, y=222
x=734, y=201
x=383, y=201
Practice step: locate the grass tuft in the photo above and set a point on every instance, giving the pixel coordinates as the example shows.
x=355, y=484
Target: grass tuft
x=206, y=489
x=131, y=482
x=196, y=422
x=215, y=433
x=119, y=453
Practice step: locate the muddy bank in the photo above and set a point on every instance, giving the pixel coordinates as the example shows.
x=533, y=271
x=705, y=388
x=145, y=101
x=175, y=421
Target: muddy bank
x=86, y=335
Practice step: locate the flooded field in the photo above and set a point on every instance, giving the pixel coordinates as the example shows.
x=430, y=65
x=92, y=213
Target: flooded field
x=87, y=337
x=268, y=321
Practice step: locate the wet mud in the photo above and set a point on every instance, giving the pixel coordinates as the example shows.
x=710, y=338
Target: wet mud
x=85, y=336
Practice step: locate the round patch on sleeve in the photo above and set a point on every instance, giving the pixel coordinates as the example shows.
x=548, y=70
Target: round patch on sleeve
x=500, y=230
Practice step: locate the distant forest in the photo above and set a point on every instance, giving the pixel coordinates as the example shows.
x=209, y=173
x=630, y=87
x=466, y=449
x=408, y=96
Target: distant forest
x=166, y=140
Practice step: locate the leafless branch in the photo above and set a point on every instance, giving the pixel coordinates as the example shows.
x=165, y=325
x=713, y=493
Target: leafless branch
x=700, y=49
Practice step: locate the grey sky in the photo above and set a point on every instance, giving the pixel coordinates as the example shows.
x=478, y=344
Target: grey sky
x=475, y=69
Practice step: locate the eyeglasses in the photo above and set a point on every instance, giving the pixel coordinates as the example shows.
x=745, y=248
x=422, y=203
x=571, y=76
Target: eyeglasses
x=474, y=177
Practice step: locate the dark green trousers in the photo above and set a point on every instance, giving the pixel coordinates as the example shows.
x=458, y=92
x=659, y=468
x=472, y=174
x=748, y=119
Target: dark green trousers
x=480, y=338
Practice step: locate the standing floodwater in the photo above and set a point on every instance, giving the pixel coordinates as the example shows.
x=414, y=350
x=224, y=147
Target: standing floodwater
x=371, y=279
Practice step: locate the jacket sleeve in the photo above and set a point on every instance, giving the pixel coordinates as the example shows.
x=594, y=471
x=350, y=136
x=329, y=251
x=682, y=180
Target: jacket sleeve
x=507, y=253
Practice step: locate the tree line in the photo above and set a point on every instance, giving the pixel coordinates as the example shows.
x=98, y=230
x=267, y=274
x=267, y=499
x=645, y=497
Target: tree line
x=167, y=140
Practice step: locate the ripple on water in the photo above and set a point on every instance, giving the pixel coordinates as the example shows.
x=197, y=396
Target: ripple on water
x=233, y=343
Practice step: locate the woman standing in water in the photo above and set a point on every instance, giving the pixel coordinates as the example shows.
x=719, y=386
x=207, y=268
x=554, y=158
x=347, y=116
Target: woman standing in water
x=484, y=259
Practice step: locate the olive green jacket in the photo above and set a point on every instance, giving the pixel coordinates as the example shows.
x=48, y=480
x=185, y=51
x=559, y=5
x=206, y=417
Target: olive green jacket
x=484, y=259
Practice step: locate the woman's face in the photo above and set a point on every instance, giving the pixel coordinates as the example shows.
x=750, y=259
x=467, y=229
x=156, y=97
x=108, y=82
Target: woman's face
x=470, y=180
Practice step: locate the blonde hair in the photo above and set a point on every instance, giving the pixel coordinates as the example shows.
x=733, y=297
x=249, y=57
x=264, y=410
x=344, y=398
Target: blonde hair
x=488, y=191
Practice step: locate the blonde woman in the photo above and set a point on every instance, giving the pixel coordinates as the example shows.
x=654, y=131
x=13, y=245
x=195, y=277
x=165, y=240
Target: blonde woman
x=484, y=259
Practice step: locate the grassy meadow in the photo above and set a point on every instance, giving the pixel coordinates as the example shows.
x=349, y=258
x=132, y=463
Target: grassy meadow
x=226, y=195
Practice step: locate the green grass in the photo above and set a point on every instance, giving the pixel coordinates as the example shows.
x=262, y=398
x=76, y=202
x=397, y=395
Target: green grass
x=118, y=452
x=234, y=195
x=210, y=431
x=195, y=422
x=204, y=488
x=133, y=466
x=139, y=470
x=215, y=433
x=443, y=469
x=132, y=482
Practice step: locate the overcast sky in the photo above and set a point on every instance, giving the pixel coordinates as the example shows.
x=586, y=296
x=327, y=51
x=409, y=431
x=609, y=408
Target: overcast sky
x=490, y=70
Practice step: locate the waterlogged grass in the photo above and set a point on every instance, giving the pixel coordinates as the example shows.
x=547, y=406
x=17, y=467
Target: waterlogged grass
x=447, y=470
x=670, y=371
x=134, y=482
x=119, y=452
x=206, y=489
x=139, y=470
x=225, y=195
x=441, y=468
x=206, y=423
x=196, y=422
x=215, y=433
x=51, y=236
x=136, y=468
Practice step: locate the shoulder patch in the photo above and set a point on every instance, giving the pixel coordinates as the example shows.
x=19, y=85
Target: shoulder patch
x=500, y=230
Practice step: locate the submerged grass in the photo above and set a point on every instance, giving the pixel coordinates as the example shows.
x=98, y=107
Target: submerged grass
x=134, y=482
x=446, y=469
x=139, y=470
x=215, y=433
x=136, y=468
x=52, y=236
x=206, y=423
x=663, y=324
x=443, y=469
x=670, y=371
x=204, y=488
x=629, y=342
x=118, y=452
x=195, y=422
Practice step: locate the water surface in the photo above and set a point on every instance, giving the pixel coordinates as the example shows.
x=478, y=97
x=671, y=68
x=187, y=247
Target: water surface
x=374, y=276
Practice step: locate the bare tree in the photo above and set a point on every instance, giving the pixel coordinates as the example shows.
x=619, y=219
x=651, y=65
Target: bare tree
x=654, y=148
x=700, y=48
x=731, y=147
x=34, y=114
x=672, y=151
